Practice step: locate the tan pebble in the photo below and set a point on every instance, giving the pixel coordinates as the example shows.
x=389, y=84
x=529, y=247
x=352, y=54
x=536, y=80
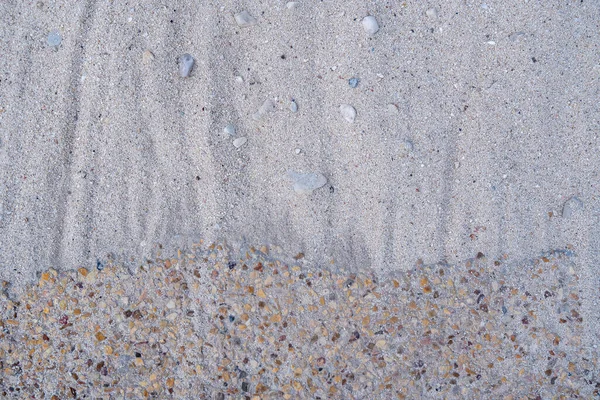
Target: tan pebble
x=147, y=56
x=172, y=316
x=276, y=318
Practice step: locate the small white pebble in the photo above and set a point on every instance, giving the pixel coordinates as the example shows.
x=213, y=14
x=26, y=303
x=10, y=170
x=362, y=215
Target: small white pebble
x=229, y=129
x=491, y=43
x=431, y=13
x=291, y=5
x=348, y=112
x=298, y=151
x=293, y=106
x=239, y=79
x=186, y=64
x=392, y=108
x=244, y=19
x=239, y=142
x=370, y=25
x=171, y=304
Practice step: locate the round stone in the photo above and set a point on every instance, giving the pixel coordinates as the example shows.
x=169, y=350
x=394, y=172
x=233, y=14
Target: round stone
x=348, y=112
x=370, y=25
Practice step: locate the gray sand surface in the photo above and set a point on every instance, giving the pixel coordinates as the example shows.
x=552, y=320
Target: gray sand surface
x=494, y=126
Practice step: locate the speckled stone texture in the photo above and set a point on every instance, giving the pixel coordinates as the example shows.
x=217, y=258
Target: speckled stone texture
x=222, y=324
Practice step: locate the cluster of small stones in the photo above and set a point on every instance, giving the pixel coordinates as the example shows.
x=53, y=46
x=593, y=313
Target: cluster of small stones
x=208, y=325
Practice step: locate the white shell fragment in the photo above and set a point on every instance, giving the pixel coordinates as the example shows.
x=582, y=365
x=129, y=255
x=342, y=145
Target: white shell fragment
x=431, y=13
x=392, y=108
x=244, y=19
x=571, y=207
x=348, y=112
x=370, y=25
x=186, y=63
x=306, y=183
x=239, y=142
x=267, y=107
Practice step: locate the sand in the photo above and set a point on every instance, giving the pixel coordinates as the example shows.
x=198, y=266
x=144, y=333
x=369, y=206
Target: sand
x=474, y=125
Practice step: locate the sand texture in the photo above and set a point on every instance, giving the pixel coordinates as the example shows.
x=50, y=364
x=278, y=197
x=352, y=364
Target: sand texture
x=475, y=129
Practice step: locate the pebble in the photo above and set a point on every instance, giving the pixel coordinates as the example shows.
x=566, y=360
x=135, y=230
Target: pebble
x=298, y=151
x=370, y=25
x=147, y=56
x=431, y=13
x=406, y=148
x=392, y=108
x=306, y=183
x=353, y=82
x=571, y=207
x=516, y=36
x=239, y=79
x=293, y=106
x=239, y=142
x=186, y=63
x=244, y=19
x=277, y=330
x=267, y=107
x=229, y=129
x=291, y=5
x=54, y=39
x=348, y=112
